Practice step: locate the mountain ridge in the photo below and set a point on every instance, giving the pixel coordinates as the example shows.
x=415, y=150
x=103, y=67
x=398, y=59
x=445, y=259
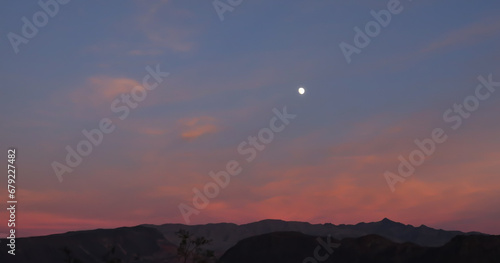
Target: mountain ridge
x=226, y=235
x=154, y=243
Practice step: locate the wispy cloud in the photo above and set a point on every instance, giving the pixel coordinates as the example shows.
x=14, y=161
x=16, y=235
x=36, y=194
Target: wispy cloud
x=102, y=89
x=161, y=24
x=193, y=128
x=147, y=52
x=468, y=35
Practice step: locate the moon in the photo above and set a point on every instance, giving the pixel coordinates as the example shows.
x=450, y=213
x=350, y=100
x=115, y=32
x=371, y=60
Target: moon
x=302, y=91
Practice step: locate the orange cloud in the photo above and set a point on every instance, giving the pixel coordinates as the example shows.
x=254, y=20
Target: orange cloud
x=194, y=128
x=101, y=90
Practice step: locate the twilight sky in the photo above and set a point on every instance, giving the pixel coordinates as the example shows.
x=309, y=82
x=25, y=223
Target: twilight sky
x=225, y=78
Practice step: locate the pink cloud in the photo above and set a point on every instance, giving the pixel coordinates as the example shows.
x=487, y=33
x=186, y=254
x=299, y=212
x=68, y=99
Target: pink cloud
x=344, y=184
x=102, y=90
x=193, y=128
x=348, y=186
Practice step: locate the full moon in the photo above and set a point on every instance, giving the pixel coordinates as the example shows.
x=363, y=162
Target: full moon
x=302, y=91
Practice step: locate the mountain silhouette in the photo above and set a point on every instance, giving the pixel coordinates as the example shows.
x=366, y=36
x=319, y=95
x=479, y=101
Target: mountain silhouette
x=272, y=239
x=226, y=235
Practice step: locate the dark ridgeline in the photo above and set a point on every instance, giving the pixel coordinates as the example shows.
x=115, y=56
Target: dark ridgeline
x=126, y=244
x=265, y=241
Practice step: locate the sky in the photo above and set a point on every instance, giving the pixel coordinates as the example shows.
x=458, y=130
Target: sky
x=221, y=73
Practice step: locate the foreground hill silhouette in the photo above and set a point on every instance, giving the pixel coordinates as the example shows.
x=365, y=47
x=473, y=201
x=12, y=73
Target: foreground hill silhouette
x=130, y=244
x=294, y=247
x=152, y=243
